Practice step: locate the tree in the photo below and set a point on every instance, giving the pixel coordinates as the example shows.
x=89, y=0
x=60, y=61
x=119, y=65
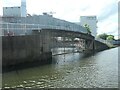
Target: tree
x=106, y=36
x=103, y=36
x=110, y=37
x=88, y=28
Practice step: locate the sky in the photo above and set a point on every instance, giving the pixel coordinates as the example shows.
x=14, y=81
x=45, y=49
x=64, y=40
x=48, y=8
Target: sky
x=71, y=10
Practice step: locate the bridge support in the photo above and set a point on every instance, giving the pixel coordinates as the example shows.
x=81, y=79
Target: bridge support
x=37, y=47
x=26, y=50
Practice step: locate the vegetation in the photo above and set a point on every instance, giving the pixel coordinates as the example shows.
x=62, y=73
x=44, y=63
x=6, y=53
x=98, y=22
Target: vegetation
x=106, y=36
x=103, y=36
x=88, y=28
x=110, y=37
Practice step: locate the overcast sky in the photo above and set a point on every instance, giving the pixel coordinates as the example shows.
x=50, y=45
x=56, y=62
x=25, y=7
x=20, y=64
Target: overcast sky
x=71, y=10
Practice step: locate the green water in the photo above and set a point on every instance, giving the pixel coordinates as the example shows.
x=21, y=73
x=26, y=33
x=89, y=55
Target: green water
x=69, y=71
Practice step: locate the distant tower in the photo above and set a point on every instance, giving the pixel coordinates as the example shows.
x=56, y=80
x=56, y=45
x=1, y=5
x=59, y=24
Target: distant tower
x=23, y=8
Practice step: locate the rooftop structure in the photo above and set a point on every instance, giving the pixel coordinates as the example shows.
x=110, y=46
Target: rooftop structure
x=18, y=11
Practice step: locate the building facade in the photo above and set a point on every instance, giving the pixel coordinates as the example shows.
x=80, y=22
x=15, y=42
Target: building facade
x=91, y=21
x=19, y=11
x=11, y=11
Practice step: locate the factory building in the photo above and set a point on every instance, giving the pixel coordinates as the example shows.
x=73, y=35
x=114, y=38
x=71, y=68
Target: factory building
x=11, y=11
x=19, y=11
x=16, y=21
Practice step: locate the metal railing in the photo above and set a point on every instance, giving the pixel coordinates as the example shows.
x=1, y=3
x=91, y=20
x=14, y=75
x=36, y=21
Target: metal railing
x=23, y=29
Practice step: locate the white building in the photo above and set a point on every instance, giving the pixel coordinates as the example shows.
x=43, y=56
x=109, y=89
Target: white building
x=23, y=8
x=12, y=11
x=19, y=11
x=16, y=22
x=91, y=21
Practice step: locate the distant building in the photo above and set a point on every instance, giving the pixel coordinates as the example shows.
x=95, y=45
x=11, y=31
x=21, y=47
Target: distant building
x=11, y=11
x=91, y=21
x=15, y=21
x=19, y=11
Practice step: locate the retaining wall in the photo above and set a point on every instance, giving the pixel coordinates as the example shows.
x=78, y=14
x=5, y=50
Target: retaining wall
x=25, y=49
x=99, y=46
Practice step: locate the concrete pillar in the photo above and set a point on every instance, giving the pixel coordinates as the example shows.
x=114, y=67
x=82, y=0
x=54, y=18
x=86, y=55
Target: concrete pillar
x=86, y=44
x=72, y=41
x=46, y=41
x=90, y=45
x=0, y=62
x=26, y=49
x=64, y=41
x=93, y=45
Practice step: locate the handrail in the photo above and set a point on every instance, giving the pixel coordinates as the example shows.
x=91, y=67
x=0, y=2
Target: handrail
x=14, y=27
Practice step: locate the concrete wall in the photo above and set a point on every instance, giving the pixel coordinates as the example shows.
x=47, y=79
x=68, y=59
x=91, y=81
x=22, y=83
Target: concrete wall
x=100, y=46
x=92, y=46
x=25, y=49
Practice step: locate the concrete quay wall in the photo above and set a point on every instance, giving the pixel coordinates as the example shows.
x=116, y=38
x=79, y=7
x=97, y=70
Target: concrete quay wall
x=99, y=46
x=25, y=49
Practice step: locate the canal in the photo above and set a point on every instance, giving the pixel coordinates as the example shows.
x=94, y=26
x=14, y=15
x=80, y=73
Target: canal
x=74, y=70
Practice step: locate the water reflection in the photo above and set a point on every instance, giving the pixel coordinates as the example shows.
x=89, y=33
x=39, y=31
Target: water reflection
x=72, y=70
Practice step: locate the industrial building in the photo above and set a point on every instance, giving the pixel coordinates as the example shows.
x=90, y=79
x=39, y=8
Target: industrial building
x=15, y=21
x=18, y=11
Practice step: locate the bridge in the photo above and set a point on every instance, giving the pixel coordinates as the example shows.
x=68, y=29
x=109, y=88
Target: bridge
x=70, y=37
x=28, y=42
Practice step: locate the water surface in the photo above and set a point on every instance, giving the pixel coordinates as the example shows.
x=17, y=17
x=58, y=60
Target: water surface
x=72, y=70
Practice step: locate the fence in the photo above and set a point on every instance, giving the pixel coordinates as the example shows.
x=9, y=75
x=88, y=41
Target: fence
x=23, y=29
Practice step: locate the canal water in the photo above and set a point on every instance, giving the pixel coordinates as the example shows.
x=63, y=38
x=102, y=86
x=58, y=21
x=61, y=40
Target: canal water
x=73, y=70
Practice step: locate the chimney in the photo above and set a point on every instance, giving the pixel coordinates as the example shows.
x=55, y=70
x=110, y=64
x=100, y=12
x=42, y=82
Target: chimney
x=23, y=8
